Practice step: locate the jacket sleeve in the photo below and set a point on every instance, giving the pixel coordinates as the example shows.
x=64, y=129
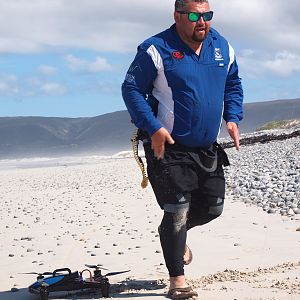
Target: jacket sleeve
x=233, y=97
x=138, y=84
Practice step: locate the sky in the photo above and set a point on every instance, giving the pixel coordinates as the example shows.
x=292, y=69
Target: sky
x=68, y=58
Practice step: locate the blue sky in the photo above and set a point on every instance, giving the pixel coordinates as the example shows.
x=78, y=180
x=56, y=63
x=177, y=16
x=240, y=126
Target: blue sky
x=68, y=58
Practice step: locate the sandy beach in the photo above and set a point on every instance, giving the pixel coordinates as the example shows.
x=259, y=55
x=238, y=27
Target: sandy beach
x=71, y=211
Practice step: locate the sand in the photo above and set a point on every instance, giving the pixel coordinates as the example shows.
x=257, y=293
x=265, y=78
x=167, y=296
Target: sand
x=70, y=211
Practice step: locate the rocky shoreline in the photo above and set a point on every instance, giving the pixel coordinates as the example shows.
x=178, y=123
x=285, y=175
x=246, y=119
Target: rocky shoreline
x=266, y=171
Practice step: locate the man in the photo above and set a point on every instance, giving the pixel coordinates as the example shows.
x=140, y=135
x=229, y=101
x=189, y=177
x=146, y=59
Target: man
x=180, y=84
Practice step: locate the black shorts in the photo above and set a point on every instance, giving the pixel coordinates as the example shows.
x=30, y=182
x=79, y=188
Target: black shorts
x=183, y=170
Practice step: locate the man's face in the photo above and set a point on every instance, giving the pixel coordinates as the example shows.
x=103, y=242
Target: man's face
x=193, y=32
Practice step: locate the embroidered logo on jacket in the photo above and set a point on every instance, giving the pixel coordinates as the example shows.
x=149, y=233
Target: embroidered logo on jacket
x=177, y=55
x=218, y=54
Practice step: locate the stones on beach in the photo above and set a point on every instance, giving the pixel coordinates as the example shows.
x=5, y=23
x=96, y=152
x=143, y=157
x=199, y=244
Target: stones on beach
x=268, y=181
x=26, y=238
x=60, y=220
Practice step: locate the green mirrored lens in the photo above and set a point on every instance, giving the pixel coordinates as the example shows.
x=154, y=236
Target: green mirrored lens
x=194, y=17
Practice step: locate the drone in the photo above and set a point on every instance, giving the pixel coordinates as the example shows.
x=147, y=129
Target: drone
x=61, y=280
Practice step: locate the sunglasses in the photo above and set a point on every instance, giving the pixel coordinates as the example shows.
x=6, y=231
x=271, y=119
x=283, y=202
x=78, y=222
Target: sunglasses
x=195, y=16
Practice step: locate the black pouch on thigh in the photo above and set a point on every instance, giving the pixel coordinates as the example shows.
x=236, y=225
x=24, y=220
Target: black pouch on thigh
x=209, y=160
x=206, y=159
x=170, y=176
x=222, y=155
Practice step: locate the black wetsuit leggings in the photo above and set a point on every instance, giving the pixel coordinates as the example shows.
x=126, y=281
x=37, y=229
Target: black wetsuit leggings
x=177, y=220
x=188, y=194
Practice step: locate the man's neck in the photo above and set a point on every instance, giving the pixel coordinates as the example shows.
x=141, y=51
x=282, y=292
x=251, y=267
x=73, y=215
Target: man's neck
x=198, y=49
x=196, y=46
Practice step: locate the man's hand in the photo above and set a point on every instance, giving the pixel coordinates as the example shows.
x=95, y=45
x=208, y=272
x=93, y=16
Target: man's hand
x=158, y=140
x=233, y=131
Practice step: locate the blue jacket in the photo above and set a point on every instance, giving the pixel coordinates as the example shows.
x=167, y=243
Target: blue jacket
x=168, y=85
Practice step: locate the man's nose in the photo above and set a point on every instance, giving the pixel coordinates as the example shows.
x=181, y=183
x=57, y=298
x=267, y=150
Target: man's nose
x=201, y=20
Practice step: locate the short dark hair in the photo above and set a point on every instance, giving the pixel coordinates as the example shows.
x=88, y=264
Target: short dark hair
x=181, y=4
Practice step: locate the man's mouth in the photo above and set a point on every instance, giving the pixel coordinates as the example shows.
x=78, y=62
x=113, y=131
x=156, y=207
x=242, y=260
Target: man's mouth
x=200, y=29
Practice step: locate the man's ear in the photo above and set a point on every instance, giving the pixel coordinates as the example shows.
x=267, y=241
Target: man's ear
x=176, y=16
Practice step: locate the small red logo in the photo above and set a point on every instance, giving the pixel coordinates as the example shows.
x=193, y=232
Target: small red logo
x=177, y=55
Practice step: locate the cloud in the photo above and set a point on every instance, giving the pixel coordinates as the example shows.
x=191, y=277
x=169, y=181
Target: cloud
x=255, y=63
x=9, y=85
x=47, y=70
x=260, y=24
x=91, y=25
x=53, y=89
x=12, y=86
x=78, y=64
x=284, y=63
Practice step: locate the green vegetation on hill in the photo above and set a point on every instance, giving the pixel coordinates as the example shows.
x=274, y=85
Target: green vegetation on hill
x=285, y=124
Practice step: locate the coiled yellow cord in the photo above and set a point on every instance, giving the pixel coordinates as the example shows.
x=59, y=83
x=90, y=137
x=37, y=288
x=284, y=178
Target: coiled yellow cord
x=139, y=161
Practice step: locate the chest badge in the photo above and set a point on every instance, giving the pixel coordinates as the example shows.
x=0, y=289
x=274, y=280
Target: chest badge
x=177, y=55
x=218, y=54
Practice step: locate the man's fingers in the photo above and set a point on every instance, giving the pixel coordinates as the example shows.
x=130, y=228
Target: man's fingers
x=235, y=137
x=169, y=139
x=159, y=152
x=236, y=141
x=158, y=140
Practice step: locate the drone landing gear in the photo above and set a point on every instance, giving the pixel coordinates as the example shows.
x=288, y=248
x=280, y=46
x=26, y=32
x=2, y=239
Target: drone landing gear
x=44, y=293
x=105, y=290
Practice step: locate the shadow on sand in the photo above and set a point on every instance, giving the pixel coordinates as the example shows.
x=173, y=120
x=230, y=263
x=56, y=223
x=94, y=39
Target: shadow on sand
x=122, y=290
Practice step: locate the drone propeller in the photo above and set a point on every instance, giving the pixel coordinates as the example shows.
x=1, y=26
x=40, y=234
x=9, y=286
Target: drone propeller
x=96, y=267
x=116, y=273
x=36, y=273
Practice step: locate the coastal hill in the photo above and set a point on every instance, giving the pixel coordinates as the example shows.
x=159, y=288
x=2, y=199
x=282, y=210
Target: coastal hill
x=109, y=133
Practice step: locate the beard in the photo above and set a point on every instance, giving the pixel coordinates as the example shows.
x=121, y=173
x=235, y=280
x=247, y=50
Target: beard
x=200, y=37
